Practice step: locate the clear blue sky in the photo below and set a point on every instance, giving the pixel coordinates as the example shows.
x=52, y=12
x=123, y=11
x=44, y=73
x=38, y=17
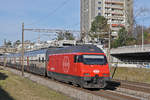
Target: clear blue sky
x=140, y=4
x=63, y=14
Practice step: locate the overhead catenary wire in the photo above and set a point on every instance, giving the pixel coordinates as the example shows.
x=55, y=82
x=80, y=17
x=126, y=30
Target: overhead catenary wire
x=50, y=13
x=41, y=36
x=76, y=24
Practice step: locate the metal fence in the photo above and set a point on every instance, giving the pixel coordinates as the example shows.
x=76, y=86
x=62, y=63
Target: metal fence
x=135, y=64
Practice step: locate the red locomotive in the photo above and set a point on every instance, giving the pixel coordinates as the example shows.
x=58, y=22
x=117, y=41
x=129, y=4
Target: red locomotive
x=81, y=65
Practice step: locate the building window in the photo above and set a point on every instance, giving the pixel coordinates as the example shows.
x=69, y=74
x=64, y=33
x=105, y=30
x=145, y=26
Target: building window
x=99, y=2
x=99, y=8
x=99, y=14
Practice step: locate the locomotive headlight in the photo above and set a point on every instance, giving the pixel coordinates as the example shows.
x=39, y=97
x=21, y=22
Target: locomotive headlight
x=96, y=71
x=86, y=73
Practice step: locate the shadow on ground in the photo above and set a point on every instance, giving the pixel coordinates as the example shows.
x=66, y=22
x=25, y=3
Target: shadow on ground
x=3, y=94
x=3, y=76
x=112, y=85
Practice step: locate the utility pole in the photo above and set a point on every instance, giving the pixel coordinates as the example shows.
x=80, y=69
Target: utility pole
x=109, y=43
x=142, y=34
x=5, y=59
x=109, y=47
x=22, y=49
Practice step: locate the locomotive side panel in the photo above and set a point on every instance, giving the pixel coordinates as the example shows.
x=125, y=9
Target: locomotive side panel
x=62, y=67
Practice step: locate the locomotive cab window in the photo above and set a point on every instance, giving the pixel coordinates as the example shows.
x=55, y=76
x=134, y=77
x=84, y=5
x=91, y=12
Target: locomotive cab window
x=43, y=60
x=94, y=59
x=39, y=59
x=78, y=58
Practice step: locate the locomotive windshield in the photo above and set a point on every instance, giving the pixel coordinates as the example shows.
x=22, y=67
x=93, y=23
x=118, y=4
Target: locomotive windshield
x=94, y=59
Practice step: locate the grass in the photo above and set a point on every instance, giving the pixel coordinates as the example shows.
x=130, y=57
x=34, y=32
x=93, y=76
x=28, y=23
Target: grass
x=132, y=74
x=13, y=87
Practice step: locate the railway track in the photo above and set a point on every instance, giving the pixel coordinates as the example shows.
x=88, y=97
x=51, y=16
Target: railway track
x=135, y=86
x=116, y=90
x=141, y=90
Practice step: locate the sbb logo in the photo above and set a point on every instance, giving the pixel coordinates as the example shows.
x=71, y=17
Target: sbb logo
x=66, y=64
x=96, y=71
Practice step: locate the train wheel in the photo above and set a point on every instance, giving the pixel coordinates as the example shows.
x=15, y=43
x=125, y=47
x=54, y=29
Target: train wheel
x=81, y=85
x=102, y=83
x=52, y=78
x=46, y=73
x=74, y=84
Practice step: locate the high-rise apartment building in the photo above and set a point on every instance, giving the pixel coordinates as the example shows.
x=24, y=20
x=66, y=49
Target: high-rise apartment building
x=118, y=12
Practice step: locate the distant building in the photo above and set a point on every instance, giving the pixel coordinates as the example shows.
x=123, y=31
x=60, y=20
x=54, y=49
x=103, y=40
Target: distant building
x=7, y=50
x=118, y=12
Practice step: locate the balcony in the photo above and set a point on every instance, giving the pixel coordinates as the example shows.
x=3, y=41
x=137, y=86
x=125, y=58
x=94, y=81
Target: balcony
x=115, y=8
x=114, y=2
x=117, y=25
x=114, y=12
x=114, y=17
x=115, y=28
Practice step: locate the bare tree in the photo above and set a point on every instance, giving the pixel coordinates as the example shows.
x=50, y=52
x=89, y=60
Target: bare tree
x=138, y=12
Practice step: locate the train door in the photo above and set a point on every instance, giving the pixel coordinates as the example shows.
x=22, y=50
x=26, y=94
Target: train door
x=75, y=65
x=28, y=63
x=46, y=65
x=15, y=61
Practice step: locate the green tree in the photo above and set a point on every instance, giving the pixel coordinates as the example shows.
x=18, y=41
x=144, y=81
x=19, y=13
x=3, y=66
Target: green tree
x=131, y=40
x=60, y=36
x=123, y=39
x=16, y=43
x=99, y=25
x=99, y=28
x=122, y=36
x=115, y=43
x=69, y=36
x=138, y=32
x=146, y=38
x=66, y=36
x=8, y=44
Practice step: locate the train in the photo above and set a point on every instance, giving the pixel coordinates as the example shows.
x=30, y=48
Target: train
x=83, y=65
